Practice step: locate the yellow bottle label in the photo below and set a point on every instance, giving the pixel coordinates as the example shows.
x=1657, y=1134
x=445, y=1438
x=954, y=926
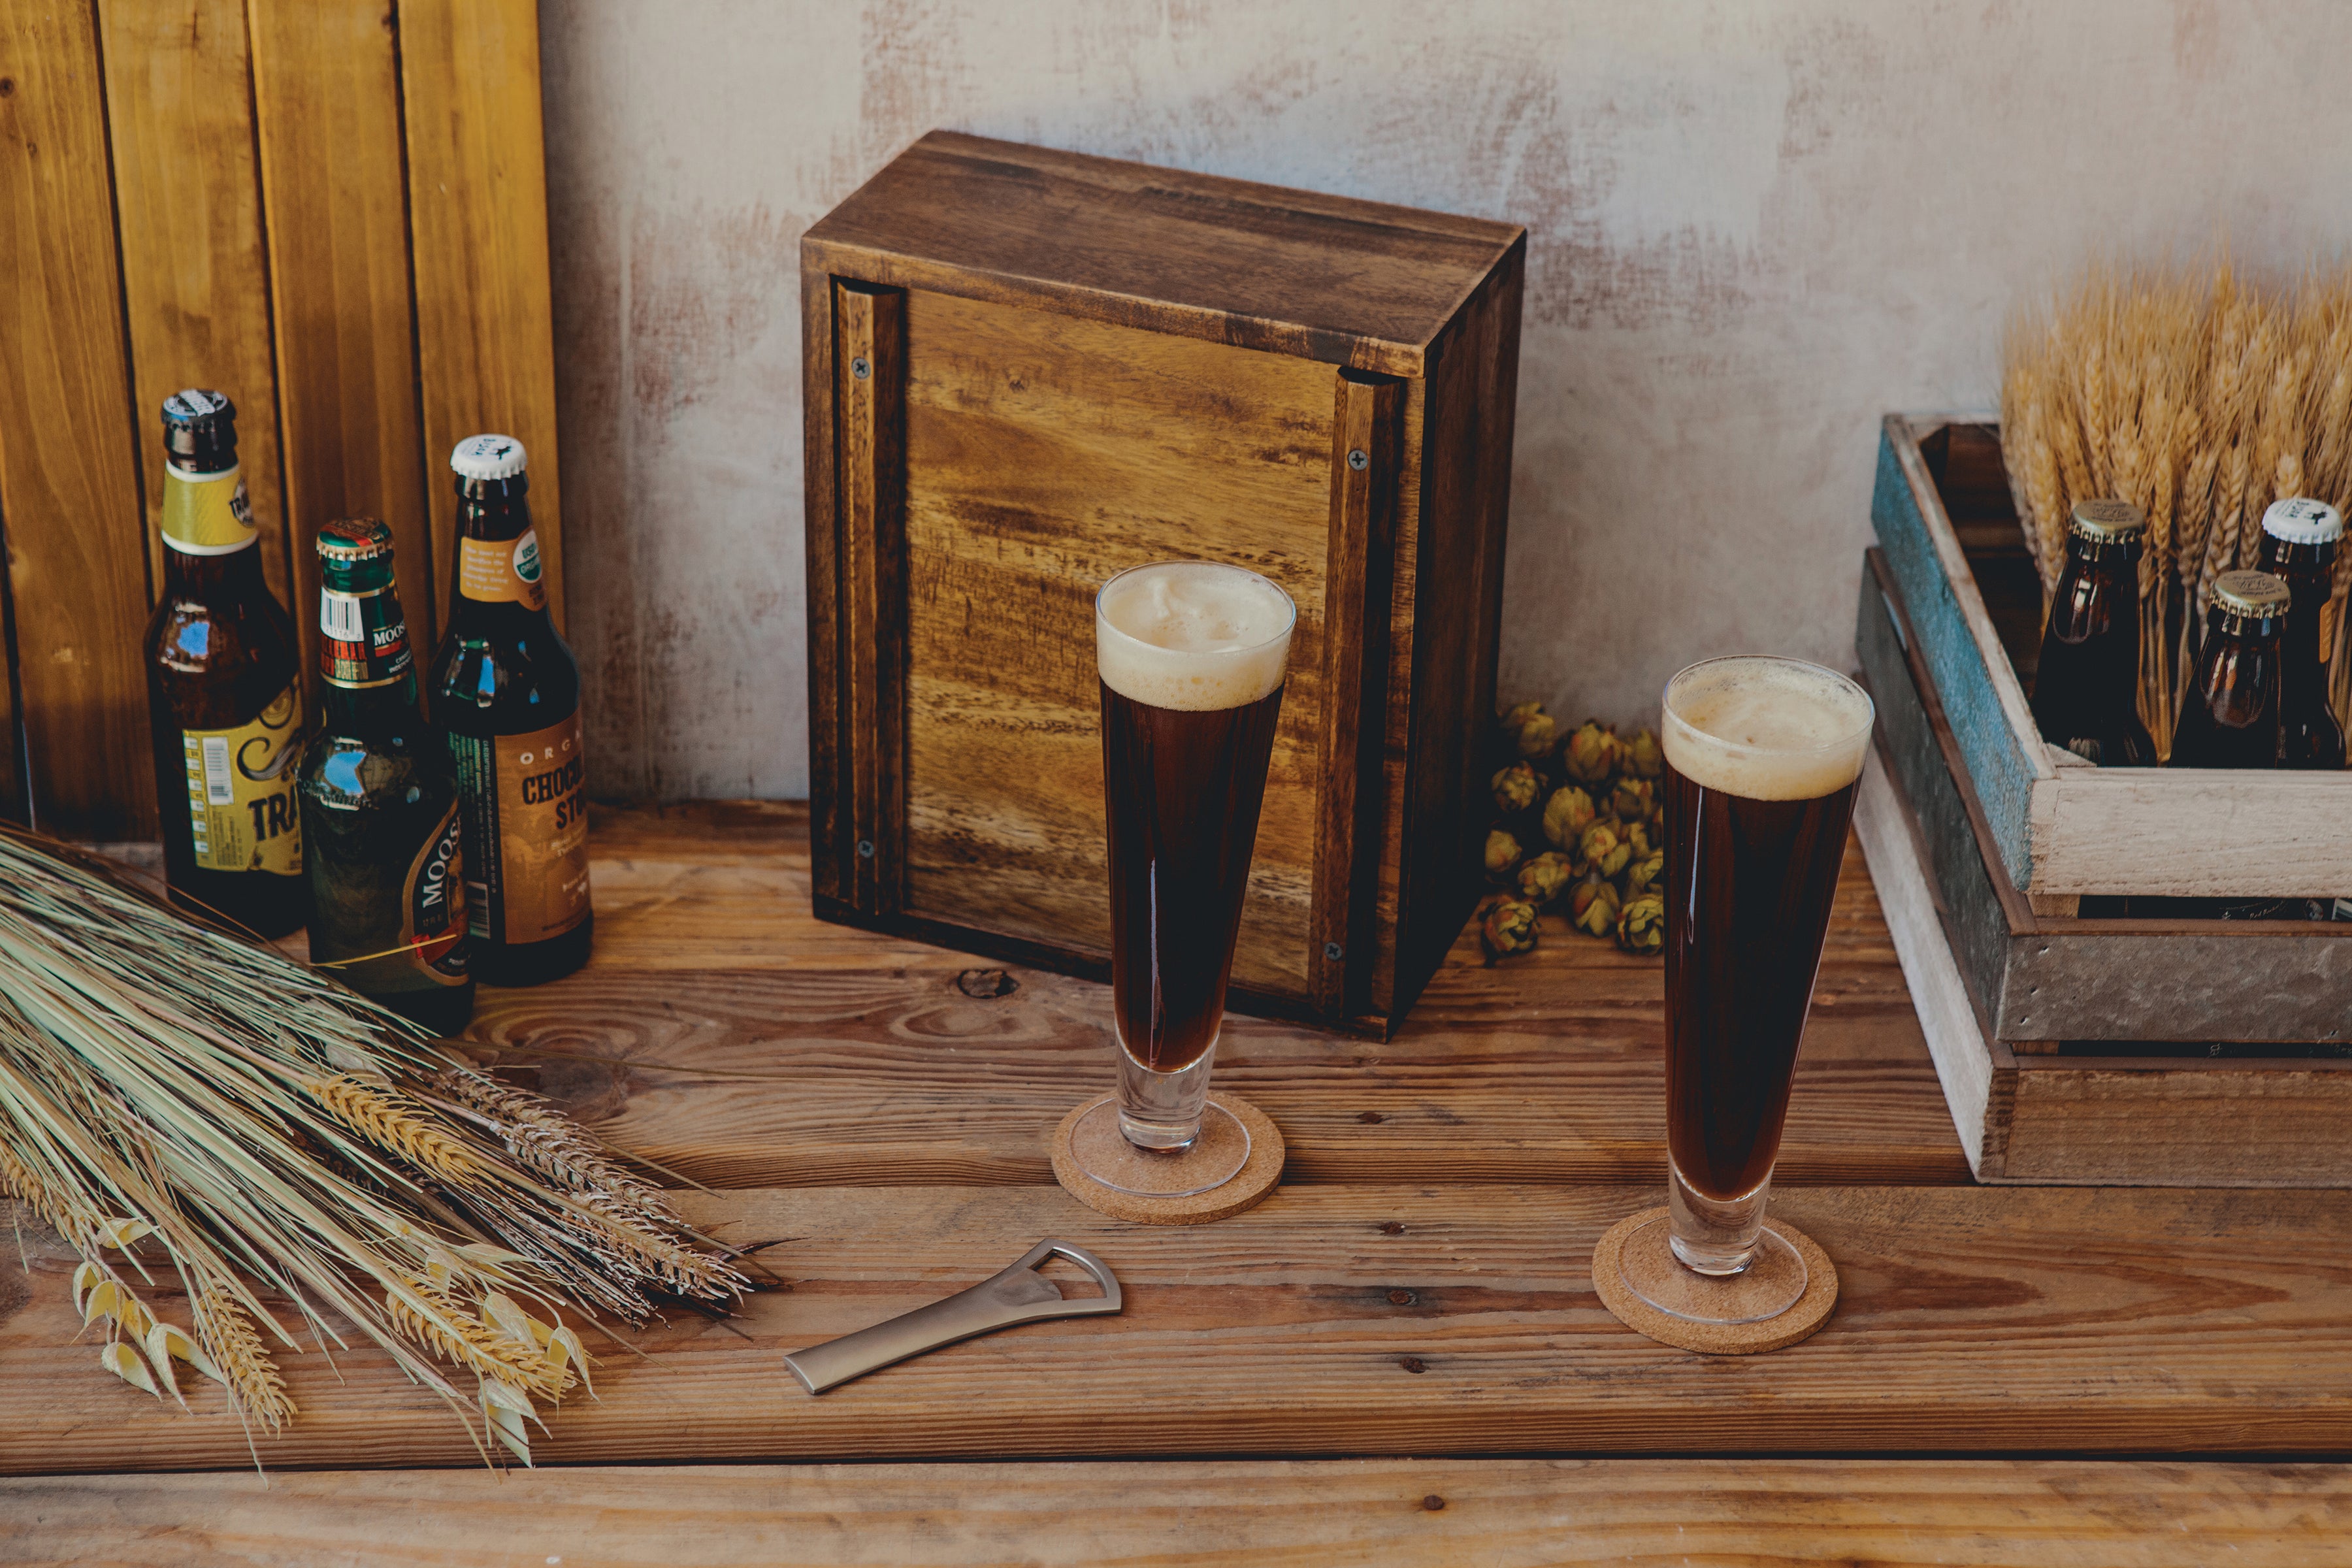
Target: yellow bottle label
x=501, y=570
x=241, y=792
x=207, y=514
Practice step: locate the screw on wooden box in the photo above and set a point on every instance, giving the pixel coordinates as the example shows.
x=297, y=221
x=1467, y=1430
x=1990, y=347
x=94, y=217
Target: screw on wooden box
x=1027, y=370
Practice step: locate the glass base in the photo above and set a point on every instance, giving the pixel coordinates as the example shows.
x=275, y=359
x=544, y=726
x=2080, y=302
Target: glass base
x=1102, y=1152
x=1773, y=1281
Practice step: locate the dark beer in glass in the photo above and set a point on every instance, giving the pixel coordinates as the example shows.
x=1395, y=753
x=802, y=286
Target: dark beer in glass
x=1190, y=657
x=1763, y=756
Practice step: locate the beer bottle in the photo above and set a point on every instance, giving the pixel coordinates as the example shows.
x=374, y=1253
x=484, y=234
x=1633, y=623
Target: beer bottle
x=505, y=691
x=223, y=701
x=2087, y=684
x=2229, y=714
x=2299, y=539
x=380, y=800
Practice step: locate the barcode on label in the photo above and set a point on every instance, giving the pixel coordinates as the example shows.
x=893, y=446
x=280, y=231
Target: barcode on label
x=218, y=790
x=339, y=616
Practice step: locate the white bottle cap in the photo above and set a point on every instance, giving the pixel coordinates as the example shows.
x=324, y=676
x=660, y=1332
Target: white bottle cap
x=2303, y=521
x=487, y=458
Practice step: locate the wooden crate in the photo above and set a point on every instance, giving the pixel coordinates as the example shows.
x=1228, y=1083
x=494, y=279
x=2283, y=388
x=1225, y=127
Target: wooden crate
x=2027, y=1014
x=2037, y=977
x=1027, y=370
x=335, y=210
x=2064, y=831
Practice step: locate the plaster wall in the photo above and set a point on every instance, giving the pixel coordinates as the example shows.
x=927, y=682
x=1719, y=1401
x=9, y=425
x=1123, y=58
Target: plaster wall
x=1754, y=226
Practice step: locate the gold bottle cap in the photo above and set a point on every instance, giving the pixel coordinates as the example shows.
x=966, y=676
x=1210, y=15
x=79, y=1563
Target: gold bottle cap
x=2106, y=521
x=349, y=538
x=2255, y=595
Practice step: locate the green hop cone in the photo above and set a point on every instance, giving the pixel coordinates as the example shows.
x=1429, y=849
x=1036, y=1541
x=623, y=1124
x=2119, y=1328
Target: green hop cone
x=1516, y=715
x=1633, y=799
x=1638, y=837
x=1592, y=907
x=1538, y=736
x=1591, y=753
x=1515, y=788
x=1643, y=759
x=1642, y=871
x=1566, y=816
x=1542, y=877
x=1502, y=854
x=1642, y=923
x=1601, y=850
x=1510, y=927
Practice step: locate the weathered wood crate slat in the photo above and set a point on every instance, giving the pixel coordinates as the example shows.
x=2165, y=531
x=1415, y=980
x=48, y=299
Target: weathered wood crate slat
x=1027, y=371
x=2066, y=830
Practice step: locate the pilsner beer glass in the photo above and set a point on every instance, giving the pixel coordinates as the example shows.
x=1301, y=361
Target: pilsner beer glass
x=1191, y=659
x=1763, y=759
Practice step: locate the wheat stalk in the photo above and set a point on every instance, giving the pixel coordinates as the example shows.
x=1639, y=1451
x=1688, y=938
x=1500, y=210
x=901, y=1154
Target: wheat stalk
x=144, y=1105
x=2202, y=399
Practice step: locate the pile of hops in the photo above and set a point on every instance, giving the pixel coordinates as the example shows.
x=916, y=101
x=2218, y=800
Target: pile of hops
x=1579, y=831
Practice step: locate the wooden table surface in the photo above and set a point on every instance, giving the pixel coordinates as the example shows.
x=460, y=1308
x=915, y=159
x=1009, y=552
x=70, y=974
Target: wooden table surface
x=1284, y=1384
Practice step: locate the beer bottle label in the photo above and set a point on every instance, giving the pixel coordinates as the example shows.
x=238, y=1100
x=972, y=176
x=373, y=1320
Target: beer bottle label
x=363, y=638
x=433, y=922
x=503, y=571
x=241, y=792
x=207, y=514
x=526, y=832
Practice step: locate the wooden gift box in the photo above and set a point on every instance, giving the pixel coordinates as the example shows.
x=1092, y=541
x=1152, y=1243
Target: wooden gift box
x=1027, y=370
x=2031, y=1016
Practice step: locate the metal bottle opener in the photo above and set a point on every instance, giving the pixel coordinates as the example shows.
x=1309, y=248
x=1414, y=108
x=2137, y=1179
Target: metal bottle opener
x=1018, y=1295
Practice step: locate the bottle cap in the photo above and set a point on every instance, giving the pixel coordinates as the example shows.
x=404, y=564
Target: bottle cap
x=347, y=540
x=198, y=422
x=2255, y=595
x=2106, y=520
x=2303, y=521
x=487, y=458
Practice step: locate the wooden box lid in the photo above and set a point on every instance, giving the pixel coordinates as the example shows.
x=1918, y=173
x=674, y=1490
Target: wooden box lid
x=1348, y=282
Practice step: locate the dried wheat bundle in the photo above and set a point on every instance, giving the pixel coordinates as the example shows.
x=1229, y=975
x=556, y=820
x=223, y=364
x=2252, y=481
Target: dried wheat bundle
x=2199, y=399
x=175, y=1101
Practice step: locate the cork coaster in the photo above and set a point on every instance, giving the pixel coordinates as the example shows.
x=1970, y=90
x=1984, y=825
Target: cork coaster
x=1800, y=1321
x=1247, y=1188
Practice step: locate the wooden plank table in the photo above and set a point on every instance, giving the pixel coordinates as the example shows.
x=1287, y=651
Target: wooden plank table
x=1419, y=1287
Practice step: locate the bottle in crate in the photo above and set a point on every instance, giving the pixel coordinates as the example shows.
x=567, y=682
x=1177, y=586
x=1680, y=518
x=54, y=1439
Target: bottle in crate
x=2087, y=684
x=2300, y=538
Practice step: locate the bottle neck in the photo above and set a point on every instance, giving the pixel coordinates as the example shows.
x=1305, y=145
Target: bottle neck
x=497, y=579
x=367, y=671
x=190, y=576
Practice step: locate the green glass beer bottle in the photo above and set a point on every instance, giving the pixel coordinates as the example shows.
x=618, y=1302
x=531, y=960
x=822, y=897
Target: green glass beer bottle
x=380, y=800
x=222, y=702
x=505, y=691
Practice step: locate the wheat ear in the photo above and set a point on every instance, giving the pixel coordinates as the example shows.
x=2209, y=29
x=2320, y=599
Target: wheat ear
x=551, y=1144
x=458, y=1335
x=229, y=1337
x=390, y=1119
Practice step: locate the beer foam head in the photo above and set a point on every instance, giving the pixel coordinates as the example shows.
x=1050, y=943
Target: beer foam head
x=1191, y=635
x=1769, y=728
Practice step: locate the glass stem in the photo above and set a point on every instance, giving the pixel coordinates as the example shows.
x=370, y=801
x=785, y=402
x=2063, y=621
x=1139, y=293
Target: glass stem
x=1162, y=1110
x=1713, y=1236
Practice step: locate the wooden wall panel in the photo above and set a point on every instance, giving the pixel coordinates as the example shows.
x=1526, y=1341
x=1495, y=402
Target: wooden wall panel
x=69, y=477
x=478, y=206
x=326, y=104
x=196, y=278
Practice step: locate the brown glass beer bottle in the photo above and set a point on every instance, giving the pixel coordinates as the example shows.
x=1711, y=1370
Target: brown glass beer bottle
x=2299, y=539
x=2087, y=684
x=2229, y=714
x=504, y=690
x=223, y=701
